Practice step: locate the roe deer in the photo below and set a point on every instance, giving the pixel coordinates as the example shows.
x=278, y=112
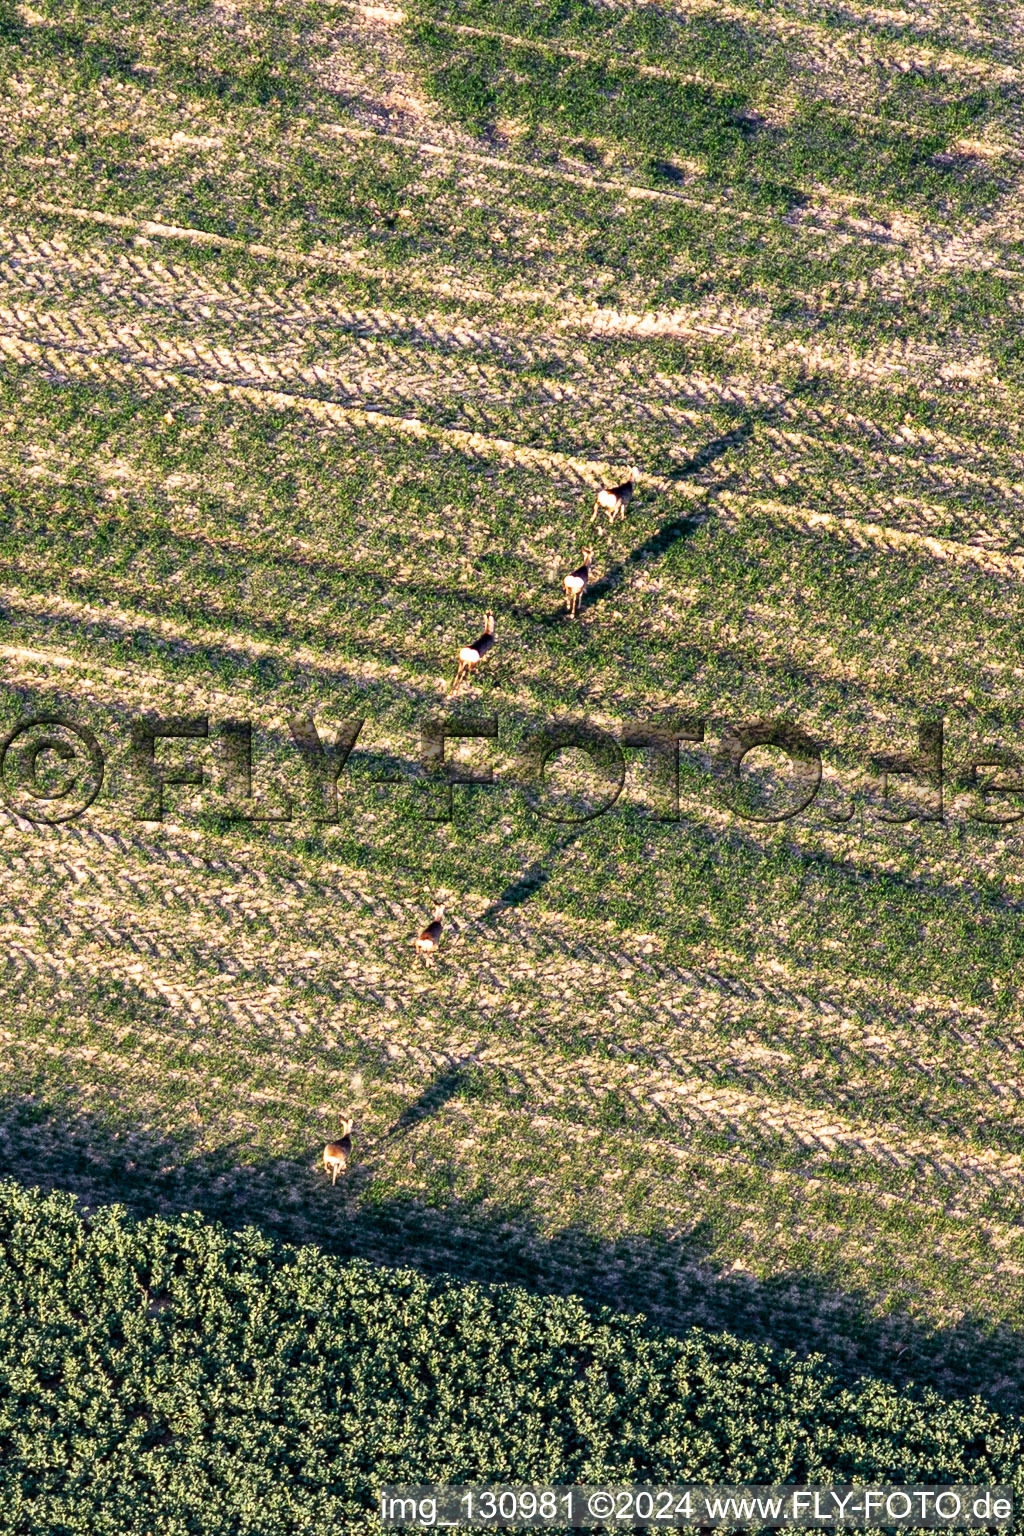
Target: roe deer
x=471, y=654
x=337, y=1153
x=616, y=498
x=429, y=939
x=576, y=584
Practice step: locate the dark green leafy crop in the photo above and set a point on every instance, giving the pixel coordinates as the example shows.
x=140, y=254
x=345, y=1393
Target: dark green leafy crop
x=168, y=1377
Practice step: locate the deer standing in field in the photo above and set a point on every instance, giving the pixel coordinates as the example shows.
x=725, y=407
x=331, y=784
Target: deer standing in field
x=471, y=654
x=576, y=584
x=427, y=941
x=337, y=1153
x=615, y=499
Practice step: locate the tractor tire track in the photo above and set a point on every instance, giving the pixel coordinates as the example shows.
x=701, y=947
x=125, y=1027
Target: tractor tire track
x=678, y=1101
x=268, y=967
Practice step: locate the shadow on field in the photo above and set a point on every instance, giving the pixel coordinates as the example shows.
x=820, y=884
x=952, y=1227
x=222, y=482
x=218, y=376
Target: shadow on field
x=678, y=528
x=718, y=446
x=526, y=885
x=434, y=1097
x=674, y=1279
x=672, y=532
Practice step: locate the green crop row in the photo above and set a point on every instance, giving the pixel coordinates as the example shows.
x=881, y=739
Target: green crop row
x=730, y=48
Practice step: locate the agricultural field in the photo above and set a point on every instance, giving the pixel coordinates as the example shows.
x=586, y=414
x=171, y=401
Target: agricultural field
x=161, y=1377
x=320, y=325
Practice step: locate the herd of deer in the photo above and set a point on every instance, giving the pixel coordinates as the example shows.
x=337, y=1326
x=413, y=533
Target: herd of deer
x=615, y=501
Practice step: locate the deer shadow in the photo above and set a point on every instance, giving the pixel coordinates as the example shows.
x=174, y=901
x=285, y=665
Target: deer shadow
x=529, y=883
x=720, y=445
x=670, y=533
x=680, y=528
x=433, y=1098
x=659, y=543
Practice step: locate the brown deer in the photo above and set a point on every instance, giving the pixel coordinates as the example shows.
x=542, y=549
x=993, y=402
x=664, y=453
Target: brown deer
x=427, y=942
x=469, y=655
x=615, y=499
x=576, y=584
x=337, y=1153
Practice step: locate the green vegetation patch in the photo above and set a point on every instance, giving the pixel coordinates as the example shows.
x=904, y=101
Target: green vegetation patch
x=166, y=1377
x=732, y=126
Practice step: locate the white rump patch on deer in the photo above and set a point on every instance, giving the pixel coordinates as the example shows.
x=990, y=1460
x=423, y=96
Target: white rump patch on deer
x=338, y=1153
